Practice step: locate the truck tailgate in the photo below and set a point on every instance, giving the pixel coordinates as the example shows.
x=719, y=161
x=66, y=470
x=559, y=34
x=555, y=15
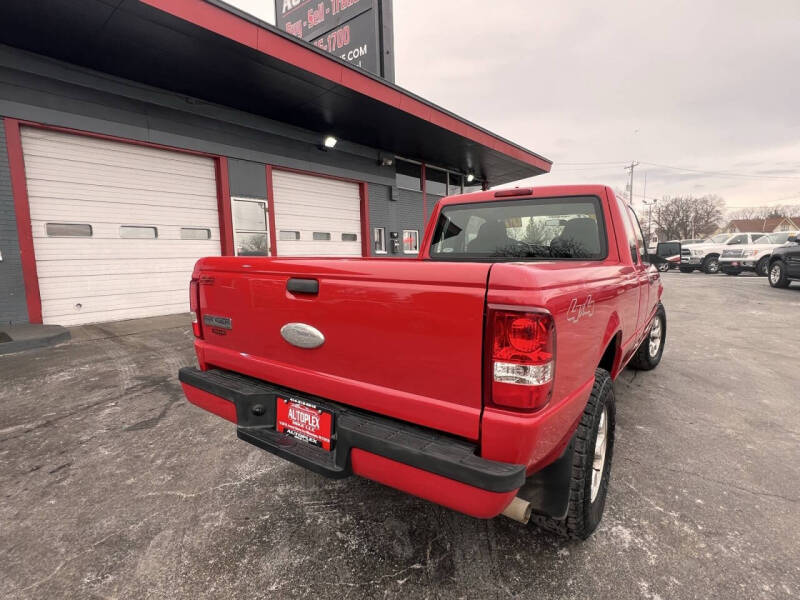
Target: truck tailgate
x=403, y=338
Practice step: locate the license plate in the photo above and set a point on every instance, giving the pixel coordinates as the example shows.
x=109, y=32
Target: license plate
x=304, y=421
x=735, y=264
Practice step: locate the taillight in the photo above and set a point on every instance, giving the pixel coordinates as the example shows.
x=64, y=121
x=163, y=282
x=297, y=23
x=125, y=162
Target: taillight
x=522, y=358
x=194, y=308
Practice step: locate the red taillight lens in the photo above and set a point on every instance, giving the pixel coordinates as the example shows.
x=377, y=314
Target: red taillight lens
x=194, y=307
x=522, y=358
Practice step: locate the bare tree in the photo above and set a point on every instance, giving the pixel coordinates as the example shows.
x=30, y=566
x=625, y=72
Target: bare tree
x=766, y=212
x=683, y=217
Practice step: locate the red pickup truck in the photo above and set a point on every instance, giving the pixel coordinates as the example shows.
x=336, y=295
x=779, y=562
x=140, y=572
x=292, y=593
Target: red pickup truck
x=478, y=375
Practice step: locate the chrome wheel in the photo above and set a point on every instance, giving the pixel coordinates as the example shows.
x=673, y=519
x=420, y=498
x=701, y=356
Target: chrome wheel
x=600, y=446
x=775, y=274
x=656, y=332
x=712, y=266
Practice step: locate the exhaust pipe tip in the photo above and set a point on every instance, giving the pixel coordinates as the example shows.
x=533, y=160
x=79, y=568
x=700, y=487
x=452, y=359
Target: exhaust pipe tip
x=519, y=510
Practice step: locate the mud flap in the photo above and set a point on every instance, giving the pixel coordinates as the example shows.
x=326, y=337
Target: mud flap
x=548, y=490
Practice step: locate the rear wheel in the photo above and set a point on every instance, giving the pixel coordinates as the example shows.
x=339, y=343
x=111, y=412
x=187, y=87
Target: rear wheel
x=777, y=275
x=711, y=265
x=649, y=353
x=663, y=267
x=762, y=267
x=591, y=467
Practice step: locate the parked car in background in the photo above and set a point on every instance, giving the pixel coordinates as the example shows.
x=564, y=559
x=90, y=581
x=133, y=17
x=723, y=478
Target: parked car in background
x=784, y=264
x=670, y=252
x=705, y=256
x=752, y=257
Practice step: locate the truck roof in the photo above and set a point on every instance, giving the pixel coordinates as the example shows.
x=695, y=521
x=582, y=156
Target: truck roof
x=547, y=191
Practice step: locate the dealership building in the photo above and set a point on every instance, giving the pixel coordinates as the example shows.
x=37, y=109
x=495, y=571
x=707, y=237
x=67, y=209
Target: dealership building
x=137, y=136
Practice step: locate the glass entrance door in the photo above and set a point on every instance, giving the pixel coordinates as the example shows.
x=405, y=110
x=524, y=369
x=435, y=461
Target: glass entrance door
x=251, y=227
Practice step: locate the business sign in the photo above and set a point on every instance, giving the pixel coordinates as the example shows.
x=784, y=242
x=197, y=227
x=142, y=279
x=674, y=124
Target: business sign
x=357, y=31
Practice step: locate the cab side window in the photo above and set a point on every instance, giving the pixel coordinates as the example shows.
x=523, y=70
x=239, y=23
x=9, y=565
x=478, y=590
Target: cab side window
x=637, y=230
x=629, y=232
x=739, y=239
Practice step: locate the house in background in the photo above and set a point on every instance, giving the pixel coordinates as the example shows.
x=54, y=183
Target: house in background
x=770, y=225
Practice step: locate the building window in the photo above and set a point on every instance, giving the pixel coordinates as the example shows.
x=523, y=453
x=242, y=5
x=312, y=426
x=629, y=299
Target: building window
x=379, y=240
x=289, y=236
x=68, y=230
x=409, y=175
x=138, y=232
x=456, y=184
x=349, y=237
x=410, y=241
x=322, y=236
x=195, y=233
x=435, y=182
x=250, y=227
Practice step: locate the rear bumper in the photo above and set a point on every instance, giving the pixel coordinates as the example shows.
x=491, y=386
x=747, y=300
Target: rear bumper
x=416, y=460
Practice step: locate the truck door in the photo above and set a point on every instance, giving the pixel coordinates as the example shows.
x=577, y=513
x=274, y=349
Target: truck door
x=793, y=260
x=629, y=298
x=647, y=275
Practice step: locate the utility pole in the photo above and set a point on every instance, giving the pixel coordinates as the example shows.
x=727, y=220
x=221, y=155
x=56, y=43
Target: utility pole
x=630, y=168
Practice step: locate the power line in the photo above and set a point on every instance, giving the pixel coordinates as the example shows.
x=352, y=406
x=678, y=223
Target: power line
x=601, y=164
x=721, y=173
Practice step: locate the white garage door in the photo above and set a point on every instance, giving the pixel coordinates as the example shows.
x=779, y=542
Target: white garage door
x=116, y=227
x=316, y=216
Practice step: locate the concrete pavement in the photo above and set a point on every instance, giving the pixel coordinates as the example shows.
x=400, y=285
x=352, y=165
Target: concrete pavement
x=114, y=487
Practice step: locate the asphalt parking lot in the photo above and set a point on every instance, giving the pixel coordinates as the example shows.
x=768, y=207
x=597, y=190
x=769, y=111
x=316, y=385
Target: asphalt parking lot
x=114, y=487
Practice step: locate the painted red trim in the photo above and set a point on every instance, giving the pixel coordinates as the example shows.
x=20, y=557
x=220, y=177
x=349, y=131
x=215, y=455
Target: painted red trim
x=268, y=42
x=114, y=138
x=273, y=237
x=366, y=238
x=424, y=194
x=19, y=189
x=224, y=206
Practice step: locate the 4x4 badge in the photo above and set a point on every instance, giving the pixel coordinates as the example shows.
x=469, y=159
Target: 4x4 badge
x=577, y=311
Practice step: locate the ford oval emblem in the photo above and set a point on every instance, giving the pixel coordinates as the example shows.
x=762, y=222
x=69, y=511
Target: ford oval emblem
x=302, y=335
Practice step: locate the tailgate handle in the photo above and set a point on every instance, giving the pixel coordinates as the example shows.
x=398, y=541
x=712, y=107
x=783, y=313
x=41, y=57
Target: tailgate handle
x=302, y=286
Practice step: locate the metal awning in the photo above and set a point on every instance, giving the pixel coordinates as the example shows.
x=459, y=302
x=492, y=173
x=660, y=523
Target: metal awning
x=206, y=50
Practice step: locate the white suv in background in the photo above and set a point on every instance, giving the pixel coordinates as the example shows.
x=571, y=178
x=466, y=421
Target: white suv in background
x=752, y=257
x=705, y=256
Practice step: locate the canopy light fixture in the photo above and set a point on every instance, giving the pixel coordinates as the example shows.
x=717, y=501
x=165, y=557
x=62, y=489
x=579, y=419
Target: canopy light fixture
x=470, y=177
x=329, y=142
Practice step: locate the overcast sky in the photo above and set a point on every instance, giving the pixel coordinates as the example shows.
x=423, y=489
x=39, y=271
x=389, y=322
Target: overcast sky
x=709, y=86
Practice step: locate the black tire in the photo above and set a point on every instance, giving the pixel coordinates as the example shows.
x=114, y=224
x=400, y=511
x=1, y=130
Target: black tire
x=777, y=275
x=584, y=514
x=685, y=270
x=762, y=267
x=663, y=267
x=711, y=265
x=643, y=360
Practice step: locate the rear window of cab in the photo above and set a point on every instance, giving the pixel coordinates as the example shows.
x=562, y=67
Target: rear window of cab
x=522, y=229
